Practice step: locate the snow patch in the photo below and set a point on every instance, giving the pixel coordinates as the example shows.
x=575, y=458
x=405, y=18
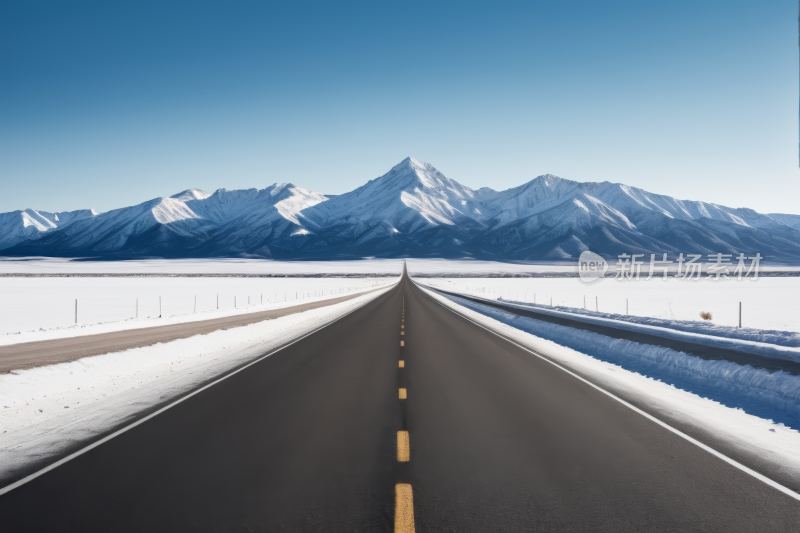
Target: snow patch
x=49, y=409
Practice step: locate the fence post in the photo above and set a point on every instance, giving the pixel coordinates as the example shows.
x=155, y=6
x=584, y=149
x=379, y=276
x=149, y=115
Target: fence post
x=160, y=311
x=217, y=301
x=195, y=303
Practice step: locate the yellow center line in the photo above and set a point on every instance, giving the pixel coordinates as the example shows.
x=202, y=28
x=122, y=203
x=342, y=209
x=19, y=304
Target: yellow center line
x=403, y=394
x=402, y=343
x=402, y=327
x=402, y=333
x=403, y=509
x=401, y=363
x=403, y=447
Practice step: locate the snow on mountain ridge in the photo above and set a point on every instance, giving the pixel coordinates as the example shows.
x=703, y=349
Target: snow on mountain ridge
x=411, y=210
x=412, y=195
x=169, y=210
x=30, y=224
x=789, y=220
x=191, y=194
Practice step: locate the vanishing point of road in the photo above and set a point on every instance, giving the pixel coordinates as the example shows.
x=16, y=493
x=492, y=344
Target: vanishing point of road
x=401, y=416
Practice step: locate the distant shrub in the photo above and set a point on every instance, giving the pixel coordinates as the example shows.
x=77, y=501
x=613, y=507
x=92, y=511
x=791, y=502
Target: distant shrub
x=705, y=315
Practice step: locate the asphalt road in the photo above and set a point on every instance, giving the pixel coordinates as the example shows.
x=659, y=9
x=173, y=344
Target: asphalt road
x=307, y=440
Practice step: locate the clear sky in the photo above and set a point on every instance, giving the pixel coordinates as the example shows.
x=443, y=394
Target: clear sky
x=107, y=104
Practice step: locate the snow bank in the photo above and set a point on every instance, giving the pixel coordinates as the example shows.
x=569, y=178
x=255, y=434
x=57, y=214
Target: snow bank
x=714, y=332
x=48, y=410
x=754, y=411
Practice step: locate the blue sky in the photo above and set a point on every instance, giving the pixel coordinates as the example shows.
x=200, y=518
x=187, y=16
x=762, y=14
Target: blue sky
x=108, y=104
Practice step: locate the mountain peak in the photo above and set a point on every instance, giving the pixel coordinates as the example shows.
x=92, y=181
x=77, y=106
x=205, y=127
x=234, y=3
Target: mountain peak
x=409, y=163
x=415, y=173
x=412, y=209
x=191, y=194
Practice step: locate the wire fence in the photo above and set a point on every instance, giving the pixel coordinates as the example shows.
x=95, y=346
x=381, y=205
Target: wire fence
x=43, y=310
x=762, y=305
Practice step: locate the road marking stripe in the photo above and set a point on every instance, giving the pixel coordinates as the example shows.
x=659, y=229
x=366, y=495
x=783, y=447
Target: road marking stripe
x=402, y=343
x=403, y=394
x=71, y=456
x=402, y=333
x=403, y=509
x=736, y=464
x=403, y=447
x=401, y=363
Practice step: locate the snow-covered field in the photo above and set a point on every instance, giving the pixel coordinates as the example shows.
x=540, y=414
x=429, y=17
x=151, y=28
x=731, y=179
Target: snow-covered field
x=54, y=265
x=754, y=411
x=464, y=267
x=474, y=266
x=28, y=304
x=367, y=265
x=767, y=303
x=46, y=410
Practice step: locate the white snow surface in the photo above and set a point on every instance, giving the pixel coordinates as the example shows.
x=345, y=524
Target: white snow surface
x=466, y=266
x=712, y=397
x=769, y=343
x=767, y=303
x=46, y=410
x=56, y=265
x=36, y=309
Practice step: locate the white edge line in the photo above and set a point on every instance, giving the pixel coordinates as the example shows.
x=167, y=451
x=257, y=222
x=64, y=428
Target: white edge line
x=774, y=484
x=48, y=468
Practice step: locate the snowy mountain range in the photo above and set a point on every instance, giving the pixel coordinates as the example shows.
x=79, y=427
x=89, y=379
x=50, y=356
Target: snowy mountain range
x=413, y=210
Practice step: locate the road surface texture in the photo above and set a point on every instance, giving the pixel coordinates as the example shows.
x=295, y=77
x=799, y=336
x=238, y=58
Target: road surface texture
x=41, y=353
x=348, y=431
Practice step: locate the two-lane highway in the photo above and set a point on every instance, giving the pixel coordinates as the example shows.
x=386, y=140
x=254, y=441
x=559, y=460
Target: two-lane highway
x=348, y=430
